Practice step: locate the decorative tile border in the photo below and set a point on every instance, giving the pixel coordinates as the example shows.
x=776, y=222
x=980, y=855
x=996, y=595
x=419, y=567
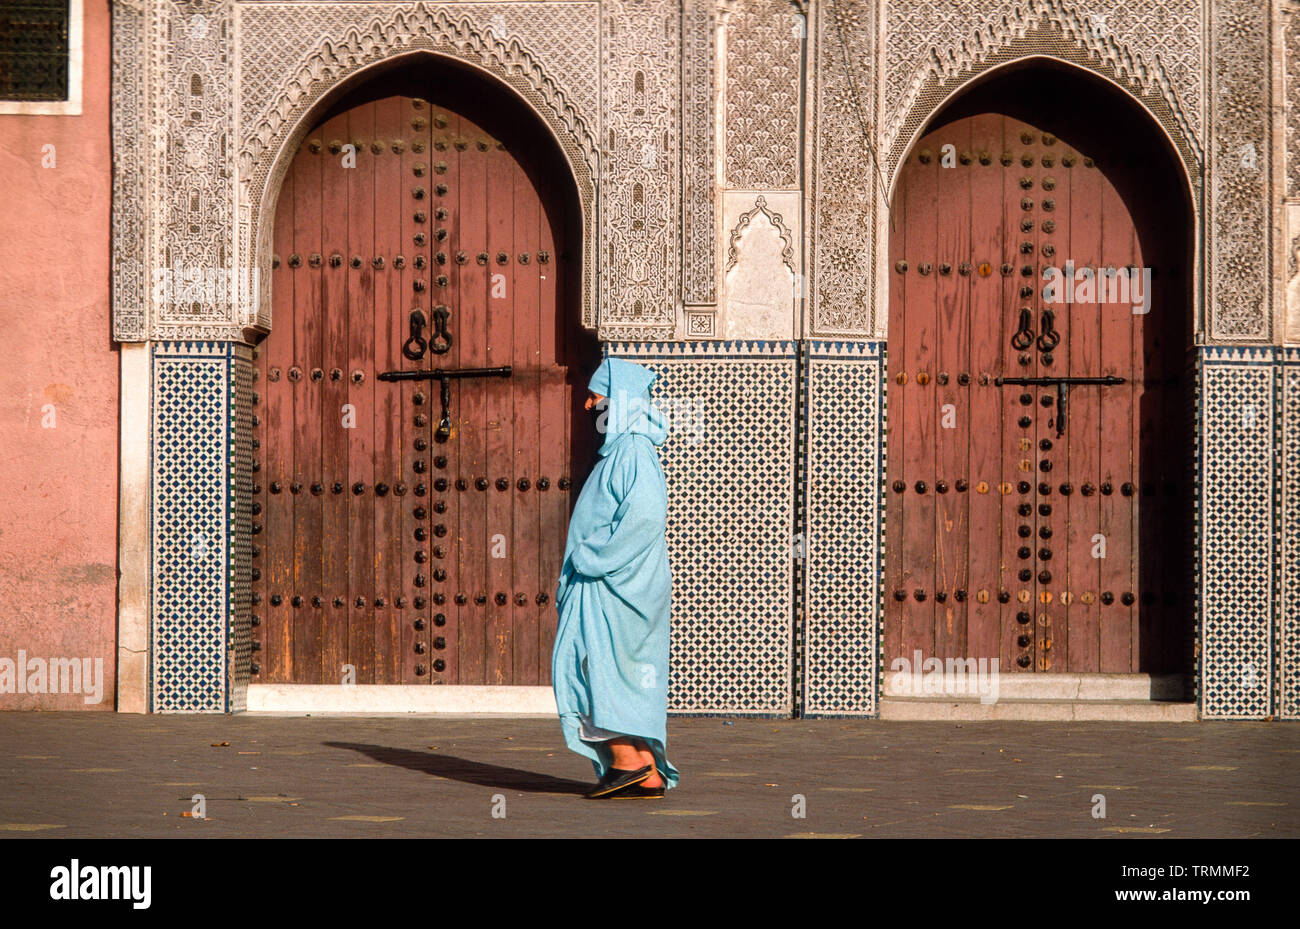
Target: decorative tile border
x=730, y=463
x=1236, y=530
x=200, y=455
x=1288, y=646
x=845, y=450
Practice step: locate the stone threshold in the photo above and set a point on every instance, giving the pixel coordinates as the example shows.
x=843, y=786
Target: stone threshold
x=1137, y=711
x=1051, y=686
x=400, y=699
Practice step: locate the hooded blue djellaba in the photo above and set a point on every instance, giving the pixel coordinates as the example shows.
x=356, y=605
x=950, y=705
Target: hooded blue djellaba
x=610, y=664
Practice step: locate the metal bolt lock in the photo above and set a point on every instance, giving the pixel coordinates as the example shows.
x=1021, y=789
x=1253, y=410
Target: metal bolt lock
x=919, y=595
x=920, y=487
x=1024, y=422
x=1024, y=553
x=563, y=484
x=543, y=483
x=461, y=483
x=962, y=485
x=379, y=601
x=1044, y=509
x=439, y=665
x=381, y=489
x=421, y=534
x=419, y=624
x=420, y=513
x=899, y=487
x=900, y=595
x=421, y=420
x=521, y=599
x=1024, y=531
x=399, y=489
x=900, y=267
x=941, y=487
x=1067, y=489
x=1004, y=596
x=1127, y=598
x=440, y=506
x=441, y=485
x=1126, y=489
x=1044, y=577
x=523, y=483
x=317, y=602
x=481, y=483
x=419, y=466
x=1107, y=597
x=500, y=599
x=439, y=530
x=502, y=484
x=941, y=597
x=419, y=648
x=1024, y=487
x=296, y=601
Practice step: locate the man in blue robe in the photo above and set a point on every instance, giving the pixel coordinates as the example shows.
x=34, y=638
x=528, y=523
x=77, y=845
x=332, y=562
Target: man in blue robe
x=610, y=664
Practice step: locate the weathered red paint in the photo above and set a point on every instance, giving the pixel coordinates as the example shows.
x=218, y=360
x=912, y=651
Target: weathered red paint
x=58, y=507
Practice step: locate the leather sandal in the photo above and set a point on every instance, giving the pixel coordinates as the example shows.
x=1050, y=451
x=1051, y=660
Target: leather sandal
x=617, y=779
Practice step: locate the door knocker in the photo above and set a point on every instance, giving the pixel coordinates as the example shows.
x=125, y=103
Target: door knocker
x=1024, y=336
x=415, y=346
x=440, y=335
x=1050, y=338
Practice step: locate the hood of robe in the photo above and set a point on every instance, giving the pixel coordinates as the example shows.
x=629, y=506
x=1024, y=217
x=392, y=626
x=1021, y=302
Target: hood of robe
x=629, y=412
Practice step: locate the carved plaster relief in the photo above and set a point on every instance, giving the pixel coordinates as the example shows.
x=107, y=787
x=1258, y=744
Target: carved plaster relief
x=761, y=273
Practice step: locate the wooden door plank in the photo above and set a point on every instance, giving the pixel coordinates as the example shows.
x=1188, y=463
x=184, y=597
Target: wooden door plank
x=472, y=413
x=335, y=222
x=991, y=304
x=393, y=522
x=500, y=412
x=360, y=354
x=308, y=345
x=526, y=355
x=955, y=243
x=276, y=539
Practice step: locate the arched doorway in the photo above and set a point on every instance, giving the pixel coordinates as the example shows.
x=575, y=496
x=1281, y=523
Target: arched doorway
x=1039, y=464
x=410, y=531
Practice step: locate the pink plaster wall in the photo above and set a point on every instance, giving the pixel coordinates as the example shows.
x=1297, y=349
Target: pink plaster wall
x=58, y=486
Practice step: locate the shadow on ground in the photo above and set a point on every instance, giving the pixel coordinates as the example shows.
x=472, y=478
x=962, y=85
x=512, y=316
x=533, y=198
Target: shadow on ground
x=462, y=769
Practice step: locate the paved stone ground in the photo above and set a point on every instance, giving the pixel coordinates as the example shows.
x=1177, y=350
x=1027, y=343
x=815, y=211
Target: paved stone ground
x=101, y=776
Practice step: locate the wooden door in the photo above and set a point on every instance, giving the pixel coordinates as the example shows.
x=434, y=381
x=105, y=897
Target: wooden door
x=1049, y=545
x=391, y=545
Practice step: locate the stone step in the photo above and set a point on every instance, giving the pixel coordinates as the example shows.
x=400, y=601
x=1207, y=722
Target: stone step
x=1148, y=711
x=929, y=685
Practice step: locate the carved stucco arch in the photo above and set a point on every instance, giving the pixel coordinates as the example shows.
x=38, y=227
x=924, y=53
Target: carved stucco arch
x=339, y=65
x=1042, y=40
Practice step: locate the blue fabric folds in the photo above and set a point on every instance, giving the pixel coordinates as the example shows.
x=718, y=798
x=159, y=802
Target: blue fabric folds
x=610, y=664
